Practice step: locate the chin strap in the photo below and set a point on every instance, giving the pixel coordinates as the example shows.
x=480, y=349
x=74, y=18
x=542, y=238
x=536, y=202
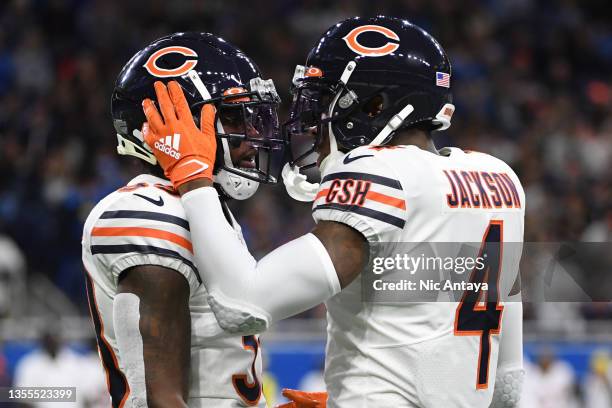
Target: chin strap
x=443, y=118
x=235, y=186
x=297, y=185
x=126, y=147
x=392, y=125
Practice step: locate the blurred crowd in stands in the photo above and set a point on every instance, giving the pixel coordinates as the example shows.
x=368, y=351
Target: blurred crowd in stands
x=531, y=81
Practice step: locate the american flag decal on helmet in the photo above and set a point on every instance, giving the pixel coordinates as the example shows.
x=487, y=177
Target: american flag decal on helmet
x=443, y=79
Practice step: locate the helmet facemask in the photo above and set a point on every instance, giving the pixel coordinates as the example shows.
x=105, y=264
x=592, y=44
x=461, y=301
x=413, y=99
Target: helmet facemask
x=244, y=115
x=313, y=108
x=308, y=118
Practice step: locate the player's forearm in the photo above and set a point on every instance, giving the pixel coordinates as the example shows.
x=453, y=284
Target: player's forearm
x=247, y=296
x=509, y=378
x=511, y=342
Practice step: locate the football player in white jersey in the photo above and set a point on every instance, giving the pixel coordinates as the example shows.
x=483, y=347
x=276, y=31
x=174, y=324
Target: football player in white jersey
x=159, y=341
x=372, y=92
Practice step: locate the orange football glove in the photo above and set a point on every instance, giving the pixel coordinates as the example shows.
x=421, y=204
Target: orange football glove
x=184, y=152
x=303, y=399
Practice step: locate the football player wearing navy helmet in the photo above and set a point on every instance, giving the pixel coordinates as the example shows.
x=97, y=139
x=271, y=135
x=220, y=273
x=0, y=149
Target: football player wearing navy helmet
x=364, y=82
x=159, y=341
x=209, y=70
x=371, y=89
x=371, y=95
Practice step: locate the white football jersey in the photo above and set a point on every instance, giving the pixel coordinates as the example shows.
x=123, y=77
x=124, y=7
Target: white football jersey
x=427, y=354
x=144, y=223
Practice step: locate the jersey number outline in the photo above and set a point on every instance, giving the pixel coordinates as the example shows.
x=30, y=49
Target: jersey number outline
x=471, y=317
x=249, y=392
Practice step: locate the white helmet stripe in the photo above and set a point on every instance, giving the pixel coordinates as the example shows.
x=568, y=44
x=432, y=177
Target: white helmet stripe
x=197, y=82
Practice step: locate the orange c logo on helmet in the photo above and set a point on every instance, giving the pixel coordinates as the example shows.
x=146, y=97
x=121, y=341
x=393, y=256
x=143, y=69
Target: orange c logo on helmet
x=314, y=72
x=235, y=91
x=189, y=64
x=352, y=41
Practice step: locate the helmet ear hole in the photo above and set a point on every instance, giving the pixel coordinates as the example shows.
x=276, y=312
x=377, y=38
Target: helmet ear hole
x=374, y=106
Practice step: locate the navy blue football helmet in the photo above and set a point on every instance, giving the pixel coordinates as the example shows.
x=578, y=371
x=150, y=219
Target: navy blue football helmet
x=210, y=70
x=365, y=79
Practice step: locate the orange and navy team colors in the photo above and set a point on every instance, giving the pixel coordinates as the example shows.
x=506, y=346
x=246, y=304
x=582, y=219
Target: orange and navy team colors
x=363, y=192
x=404, y=194
x=144, y=223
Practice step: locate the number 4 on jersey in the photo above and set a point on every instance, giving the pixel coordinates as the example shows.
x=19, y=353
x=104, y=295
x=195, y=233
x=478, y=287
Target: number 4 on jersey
x=482, y=317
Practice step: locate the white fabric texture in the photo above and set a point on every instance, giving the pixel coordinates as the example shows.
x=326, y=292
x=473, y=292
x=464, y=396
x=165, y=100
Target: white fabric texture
x=511, y=342
x=246, y=295
x=510, y=372
x=508, y=385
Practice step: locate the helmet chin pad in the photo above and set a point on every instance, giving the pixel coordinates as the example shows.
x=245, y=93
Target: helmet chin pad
x=296, y=184
x=235, y=186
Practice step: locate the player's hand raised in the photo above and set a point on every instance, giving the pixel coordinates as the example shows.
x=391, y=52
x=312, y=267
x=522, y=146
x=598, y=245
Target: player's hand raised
x=184, y=152
x=303, y=399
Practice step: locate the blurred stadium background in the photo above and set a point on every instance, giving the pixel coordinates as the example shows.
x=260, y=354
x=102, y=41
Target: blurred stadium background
x=532, y=85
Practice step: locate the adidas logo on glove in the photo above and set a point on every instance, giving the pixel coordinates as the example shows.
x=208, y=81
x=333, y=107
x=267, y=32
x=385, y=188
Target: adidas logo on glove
x=169, y=145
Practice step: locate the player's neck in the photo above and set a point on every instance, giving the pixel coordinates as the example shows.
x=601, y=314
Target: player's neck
x=415, y=137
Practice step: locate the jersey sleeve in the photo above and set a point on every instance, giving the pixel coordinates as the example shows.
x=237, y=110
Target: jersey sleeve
x=364, y=193
x=132, y=232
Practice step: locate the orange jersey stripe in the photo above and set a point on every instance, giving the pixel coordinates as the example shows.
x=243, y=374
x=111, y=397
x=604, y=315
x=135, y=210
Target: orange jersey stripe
x=322, y=193
x=385, y=199
x=142, y=232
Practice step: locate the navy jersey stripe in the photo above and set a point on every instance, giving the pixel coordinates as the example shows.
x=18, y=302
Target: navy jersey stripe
x=143, y=249
x=349, y=175
x=368, y=212
x=147, y=215
x=117, y=382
